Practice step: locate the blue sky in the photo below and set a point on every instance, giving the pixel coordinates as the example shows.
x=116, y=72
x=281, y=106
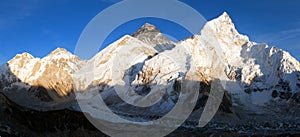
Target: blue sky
x=38, y=27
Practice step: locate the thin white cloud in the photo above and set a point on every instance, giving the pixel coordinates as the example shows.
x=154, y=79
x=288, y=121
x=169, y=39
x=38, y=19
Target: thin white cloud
x=287, y=40
x=281, y=36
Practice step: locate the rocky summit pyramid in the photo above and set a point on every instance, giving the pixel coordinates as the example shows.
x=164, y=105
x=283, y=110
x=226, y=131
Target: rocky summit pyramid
x=149, y=34
x=262, y=83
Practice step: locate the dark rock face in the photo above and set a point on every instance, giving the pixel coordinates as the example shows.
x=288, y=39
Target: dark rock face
x=152, y=36
x=146, y=28
x=296, y=97
x=18, y=121
x=226, y=103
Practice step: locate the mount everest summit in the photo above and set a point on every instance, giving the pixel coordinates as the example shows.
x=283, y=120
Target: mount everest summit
x=261, y=82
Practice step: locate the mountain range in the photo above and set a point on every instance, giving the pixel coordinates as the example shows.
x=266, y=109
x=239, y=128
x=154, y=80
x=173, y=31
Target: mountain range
x=261, y=82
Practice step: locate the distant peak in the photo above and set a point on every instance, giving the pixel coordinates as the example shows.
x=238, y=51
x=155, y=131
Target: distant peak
x=59, y=53
x=149, y=26
x=146, y=28
x=150, y=35
x=58, y=50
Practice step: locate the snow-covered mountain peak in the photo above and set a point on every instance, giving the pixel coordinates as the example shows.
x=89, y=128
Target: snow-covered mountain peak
x=57, y=50
x=59, y=53
x=224, y=29
x=224, y=20
x=24, y=55
x=21, y=59
x=225, y=17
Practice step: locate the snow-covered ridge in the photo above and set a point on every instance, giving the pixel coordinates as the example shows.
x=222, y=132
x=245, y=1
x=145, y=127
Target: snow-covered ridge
x=40, y=82
x=255, y=73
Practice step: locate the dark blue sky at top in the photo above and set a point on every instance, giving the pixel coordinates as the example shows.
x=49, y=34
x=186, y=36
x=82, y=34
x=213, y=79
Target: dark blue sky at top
x=38, y=27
